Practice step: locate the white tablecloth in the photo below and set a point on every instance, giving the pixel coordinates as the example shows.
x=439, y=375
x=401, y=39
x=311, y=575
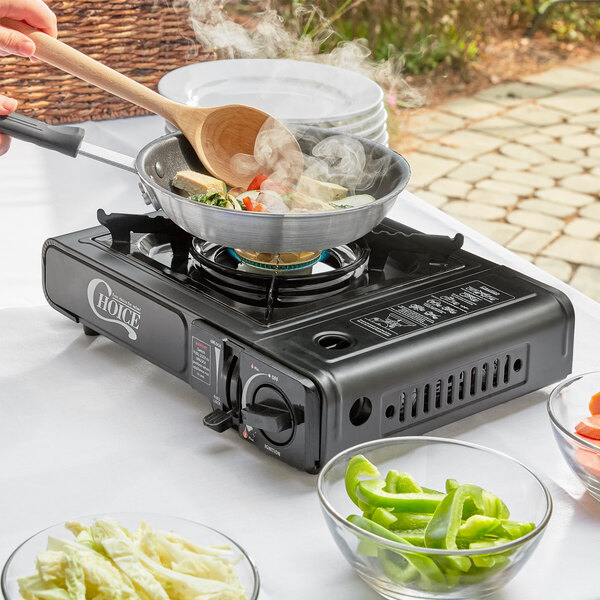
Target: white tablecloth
x=88, y=427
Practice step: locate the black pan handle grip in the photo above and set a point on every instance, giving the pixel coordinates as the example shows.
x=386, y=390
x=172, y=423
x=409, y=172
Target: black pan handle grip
x=62, y=138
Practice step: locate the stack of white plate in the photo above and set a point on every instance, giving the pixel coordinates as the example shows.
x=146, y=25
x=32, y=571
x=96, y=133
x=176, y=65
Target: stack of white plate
x=295, y=92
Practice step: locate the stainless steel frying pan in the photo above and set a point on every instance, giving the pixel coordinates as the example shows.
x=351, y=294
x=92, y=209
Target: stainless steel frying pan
x=159, y=161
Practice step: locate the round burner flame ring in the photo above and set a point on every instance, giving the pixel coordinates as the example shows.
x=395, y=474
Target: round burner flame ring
x=278, y=267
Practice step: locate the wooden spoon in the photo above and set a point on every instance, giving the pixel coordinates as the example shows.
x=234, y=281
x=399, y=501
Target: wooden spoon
x=217, y=134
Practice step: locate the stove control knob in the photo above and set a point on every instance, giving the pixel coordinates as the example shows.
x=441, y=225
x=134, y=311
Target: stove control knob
x=271, y=413
x=266, y=417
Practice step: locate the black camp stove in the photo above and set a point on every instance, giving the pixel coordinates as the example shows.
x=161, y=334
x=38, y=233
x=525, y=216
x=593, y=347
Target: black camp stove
x=305, y=354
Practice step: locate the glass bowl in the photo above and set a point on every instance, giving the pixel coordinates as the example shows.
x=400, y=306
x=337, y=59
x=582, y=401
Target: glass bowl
x=22, y=561
x=568, y=404
x=431, y=461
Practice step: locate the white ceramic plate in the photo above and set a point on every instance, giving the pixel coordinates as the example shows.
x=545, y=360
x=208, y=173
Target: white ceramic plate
x=384, y=138
x=290, y=90
x=354, y=122
x=356, y=127
x=375, y=131
x=368, y=124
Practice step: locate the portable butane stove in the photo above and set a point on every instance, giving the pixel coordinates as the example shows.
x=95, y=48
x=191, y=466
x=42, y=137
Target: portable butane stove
x=306, y=354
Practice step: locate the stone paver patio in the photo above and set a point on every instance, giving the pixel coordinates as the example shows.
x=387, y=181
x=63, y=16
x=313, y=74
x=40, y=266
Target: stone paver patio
x=519, y=162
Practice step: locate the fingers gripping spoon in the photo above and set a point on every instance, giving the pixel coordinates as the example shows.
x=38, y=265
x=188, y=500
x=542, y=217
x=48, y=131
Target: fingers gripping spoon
x=219, y=135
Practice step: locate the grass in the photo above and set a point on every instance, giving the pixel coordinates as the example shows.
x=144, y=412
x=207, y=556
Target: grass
x=424, y=35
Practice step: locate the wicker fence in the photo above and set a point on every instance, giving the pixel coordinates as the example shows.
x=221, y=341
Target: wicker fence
x=143, y=39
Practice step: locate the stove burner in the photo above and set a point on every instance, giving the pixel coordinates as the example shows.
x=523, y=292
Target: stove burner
x=285, y=263
x=254, y=285
x=327, y=274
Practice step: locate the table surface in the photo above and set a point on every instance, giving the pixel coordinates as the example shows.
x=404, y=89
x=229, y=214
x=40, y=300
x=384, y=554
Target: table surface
x=88, y=427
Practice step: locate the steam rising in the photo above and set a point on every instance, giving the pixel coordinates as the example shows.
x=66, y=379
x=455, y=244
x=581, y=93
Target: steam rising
x=265, y=36
x=336, y=159
x=275, y=153
x=345, y=161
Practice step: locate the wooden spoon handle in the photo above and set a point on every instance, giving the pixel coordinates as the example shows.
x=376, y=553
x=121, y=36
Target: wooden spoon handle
x=76, y=63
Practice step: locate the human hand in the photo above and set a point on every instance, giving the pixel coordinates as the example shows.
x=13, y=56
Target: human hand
x=34, y=13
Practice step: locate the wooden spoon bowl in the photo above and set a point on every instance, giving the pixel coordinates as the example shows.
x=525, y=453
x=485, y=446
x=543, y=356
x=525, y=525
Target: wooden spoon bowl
x=219, y=135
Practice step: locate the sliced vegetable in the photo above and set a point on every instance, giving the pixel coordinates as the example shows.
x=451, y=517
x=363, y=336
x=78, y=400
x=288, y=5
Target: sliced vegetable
x=513, y=530
x=106, y=562
x=262, y=182
x=372, y=492
x=589, y=461
x=401, y=483
x=476, y=526
x=251, y=205
x=399, y=509
x=358, y=467
x=589, y=427
x=257, y=182
x=429, y=572
x=588, y=440
x=595, y=404
x=408, y=520
x=384, y=517
x=212, y=199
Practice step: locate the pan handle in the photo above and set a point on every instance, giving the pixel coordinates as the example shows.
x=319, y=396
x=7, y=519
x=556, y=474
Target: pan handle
x=65, y=139
x=61, y=138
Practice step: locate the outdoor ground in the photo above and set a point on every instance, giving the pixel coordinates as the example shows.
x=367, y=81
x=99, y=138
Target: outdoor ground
x=513, y=150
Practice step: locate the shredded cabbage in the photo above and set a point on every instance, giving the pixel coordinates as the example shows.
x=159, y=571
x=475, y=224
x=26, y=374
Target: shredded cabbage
x=107, y=562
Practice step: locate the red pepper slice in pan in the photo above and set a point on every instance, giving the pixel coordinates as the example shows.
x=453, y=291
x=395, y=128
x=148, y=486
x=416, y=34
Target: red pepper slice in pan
x=252, y=206
x=262, y=182
x=257, y=182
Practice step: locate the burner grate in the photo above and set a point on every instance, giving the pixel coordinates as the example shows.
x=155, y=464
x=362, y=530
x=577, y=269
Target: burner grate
x=339, y=269
x=254, y=285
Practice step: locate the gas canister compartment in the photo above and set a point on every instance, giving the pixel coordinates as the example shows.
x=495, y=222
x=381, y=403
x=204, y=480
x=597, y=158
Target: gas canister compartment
x=414, y=404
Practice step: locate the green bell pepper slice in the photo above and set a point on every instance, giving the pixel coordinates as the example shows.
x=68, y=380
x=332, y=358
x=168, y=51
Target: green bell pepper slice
x=397, y=568
x=372, y=493
x=358, y=467
x=401, y=483
x=451, y=484
x=410, y=520
x=383, y=517
x=476, y=526
x=416, y=537
x=429, y=572
x=513, y=529
x=442, y=531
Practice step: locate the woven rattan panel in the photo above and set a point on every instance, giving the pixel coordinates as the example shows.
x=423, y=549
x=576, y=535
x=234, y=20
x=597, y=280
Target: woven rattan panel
x=144, y=39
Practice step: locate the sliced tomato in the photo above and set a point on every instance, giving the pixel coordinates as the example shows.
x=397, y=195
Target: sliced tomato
x=595, y=404
x=589, y=427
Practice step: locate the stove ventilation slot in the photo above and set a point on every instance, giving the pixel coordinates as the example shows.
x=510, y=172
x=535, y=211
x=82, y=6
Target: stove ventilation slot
x=415, y=404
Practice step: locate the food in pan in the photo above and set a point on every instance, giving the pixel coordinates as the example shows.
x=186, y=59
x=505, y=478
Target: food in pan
x=464, y=517
x=265, y=195
x=198, y=183
x=107, y=562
